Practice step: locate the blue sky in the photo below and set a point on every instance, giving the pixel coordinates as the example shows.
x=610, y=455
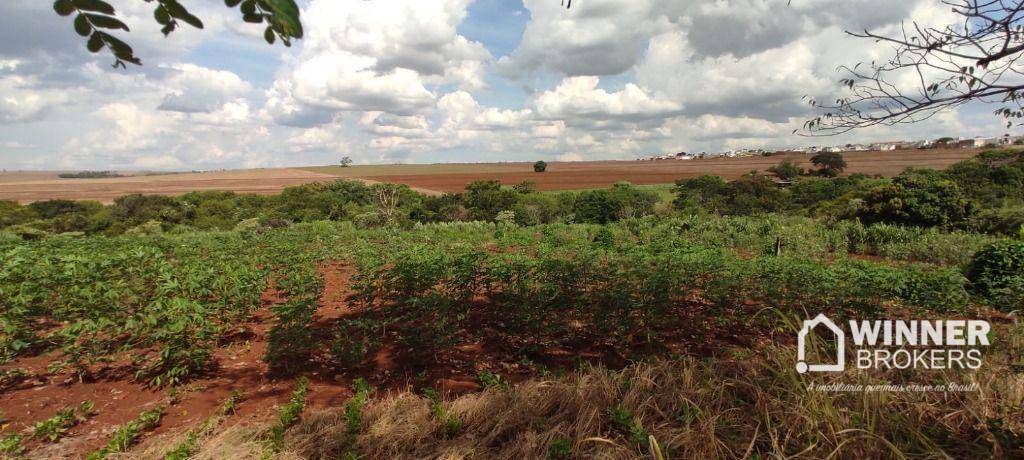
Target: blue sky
x=442, y=81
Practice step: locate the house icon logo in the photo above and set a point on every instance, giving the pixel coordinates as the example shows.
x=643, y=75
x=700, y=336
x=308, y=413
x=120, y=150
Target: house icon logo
x=809, y=325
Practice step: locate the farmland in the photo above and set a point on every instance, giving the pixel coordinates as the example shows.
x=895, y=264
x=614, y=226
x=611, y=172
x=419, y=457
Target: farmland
x=33, y=186
x=348, y=320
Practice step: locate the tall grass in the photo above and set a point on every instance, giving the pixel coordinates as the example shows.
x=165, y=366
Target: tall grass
x=744, y=406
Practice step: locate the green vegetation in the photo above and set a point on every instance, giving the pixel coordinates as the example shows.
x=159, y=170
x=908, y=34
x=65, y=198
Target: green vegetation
x=287, y=416
x=829, y=164
x=161, y=284
x=997, y=273
x=540, y=166
x=129, y=433
x=54, y=427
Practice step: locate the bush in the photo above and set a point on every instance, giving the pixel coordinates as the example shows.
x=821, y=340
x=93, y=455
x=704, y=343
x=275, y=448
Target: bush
x=485, y=199
x=922, y=198
x=787, y=170
x=12, y=213
x=997, y=274
x=622, y=201
x=540, y=166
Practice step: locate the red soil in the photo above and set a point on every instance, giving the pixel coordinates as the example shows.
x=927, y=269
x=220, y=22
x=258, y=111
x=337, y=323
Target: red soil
x=239, y=366
x=601, y=174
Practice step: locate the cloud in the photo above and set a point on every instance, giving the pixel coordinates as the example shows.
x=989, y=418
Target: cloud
x=578, y=99
x=198, y=89
x=21, y=100
x=362, y=56
x=595, y=37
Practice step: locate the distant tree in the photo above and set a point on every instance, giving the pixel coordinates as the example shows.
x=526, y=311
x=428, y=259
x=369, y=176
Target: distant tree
x=787, y=170
x=829, y=164
x=346, y=161
x=540, y=166
x=94, y=18
x=934, y=67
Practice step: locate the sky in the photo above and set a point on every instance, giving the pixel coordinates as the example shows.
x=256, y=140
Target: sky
x=418, y=81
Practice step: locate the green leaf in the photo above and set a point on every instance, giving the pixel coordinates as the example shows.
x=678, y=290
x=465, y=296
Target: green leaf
x=286, y=16
x=249, y=7
x=98, y=6
x=63, y=7
x=179, y=12
x=121, y=49
x=107, y=22
x=95, y=43
x=161, y=16
x=82, y=26
x=253, y=18
x=269, y=36
x=232, y=3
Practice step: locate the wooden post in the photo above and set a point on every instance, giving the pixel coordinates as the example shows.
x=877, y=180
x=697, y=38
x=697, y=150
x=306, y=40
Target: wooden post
x=778, y=246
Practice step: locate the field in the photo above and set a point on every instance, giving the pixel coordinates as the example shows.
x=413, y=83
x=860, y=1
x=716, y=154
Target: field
x=33, y=186
x=180, y=323
x=349, y=320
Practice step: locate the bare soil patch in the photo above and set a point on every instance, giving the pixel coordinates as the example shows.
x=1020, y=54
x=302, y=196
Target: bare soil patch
x=601, y=174
x=259, y=181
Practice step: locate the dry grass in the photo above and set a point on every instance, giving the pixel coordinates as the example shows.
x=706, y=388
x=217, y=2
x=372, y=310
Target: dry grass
x=745, y=406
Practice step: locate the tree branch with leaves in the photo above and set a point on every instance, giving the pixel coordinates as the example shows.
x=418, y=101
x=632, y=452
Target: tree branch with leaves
x=934, y=68
x=97, y=20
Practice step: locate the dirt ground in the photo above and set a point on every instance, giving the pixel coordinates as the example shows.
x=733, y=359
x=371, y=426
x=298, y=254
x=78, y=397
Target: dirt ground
x=434, y=178
x=34, y=186
x=585, y=175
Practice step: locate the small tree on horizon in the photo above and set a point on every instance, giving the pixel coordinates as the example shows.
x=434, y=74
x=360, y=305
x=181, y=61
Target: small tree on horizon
x=829, y=164
x=346, y=161
x=540, y=166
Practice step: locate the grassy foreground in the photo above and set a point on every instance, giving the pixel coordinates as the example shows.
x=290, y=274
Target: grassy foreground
x=743, y=406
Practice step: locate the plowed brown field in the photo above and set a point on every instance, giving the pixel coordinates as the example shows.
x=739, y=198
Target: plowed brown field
x=32, y=186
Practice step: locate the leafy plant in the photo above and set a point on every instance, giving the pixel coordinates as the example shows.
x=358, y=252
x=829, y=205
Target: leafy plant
x=997, y=274
x=129, y=433
x=54, y=427
x=625, y=421
x=288, y=416
x=560, y=449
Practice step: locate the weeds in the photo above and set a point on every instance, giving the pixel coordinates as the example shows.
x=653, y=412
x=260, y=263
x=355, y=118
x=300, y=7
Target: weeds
x=54, y=427
x=190, y=445
x=129, y=433
x=288, y=416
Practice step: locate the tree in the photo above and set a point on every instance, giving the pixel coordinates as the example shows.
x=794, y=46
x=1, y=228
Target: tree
x=95, y=18
x=922, y=198
x=946, y=66
x=346, y=161
x=540, y=166
x=829, y=164
x=787, y=170
x=485, y=199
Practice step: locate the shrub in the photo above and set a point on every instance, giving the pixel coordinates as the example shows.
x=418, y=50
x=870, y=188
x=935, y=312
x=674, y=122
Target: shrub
x=290, y=341
x=485, y=199
x=12, y=213
x=787, y=170
x=997, y=274
x=540, y=166
x=921, y=198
